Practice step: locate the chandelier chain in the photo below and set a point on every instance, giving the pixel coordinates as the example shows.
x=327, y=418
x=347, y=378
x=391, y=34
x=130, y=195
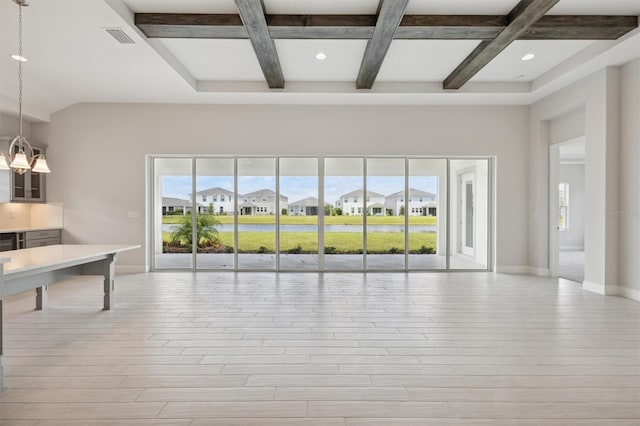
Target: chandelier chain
x=20, y=64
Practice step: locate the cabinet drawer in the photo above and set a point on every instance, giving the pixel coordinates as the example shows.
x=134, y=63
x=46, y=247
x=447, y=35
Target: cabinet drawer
x=37, y=235
x=42, y=242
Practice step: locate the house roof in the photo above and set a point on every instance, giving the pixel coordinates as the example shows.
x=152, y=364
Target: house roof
x=412, y=193
x=358, y=193
x=264, y=193
x=176, y=202
x=217, y=190
x=306, y=202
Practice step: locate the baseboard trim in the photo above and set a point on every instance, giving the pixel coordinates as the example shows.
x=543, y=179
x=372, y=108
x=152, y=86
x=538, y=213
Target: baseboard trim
x=571, y=248
x=130, y=269
x=540, y=272
x=629, y=293
x=606, y=290
x=521, y=270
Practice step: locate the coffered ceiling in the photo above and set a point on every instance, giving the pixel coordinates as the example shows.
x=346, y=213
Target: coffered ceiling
x=407, y=52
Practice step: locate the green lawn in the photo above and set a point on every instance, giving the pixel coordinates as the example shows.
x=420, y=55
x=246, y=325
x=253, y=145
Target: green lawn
x=312, y=220
x=345, y=242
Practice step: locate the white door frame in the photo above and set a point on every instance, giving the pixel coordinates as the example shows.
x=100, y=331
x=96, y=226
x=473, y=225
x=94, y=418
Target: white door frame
x=554, y=206
x=465, y=176
x=554, y=232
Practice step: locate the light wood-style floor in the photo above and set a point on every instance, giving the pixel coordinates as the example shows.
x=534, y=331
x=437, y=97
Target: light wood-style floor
x=323, y=349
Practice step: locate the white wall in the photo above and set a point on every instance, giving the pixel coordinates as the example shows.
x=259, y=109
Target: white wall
x=605, y=97
x=567, y=126
x=10, y=126
x=97, y=152
x=573, y=237
x=629, y=231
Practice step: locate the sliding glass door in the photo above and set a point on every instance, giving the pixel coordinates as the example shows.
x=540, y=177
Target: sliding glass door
x=343, y=229
x=258, y=206
x=427, y=213
x=385, y=224
x=299, y=215
x=321, y=214
x=215, y=206
x=172, y=213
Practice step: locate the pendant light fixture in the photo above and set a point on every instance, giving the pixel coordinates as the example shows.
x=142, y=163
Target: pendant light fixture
x=21, y=155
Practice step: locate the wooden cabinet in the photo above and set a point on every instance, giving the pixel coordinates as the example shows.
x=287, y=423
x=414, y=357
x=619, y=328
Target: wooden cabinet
x=41, y=238
x=28, y=187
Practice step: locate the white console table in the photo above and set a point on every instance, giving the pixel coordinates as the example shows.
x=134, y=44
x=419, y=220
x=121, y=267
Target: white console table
x=37, y=268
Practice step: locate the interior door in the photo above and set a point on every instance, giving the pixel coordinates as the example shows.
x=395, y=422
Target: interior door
x=467, y=214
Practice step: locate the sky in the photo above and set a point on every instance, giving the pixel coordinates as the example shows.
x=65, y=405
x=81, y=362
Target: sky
x=297, y=187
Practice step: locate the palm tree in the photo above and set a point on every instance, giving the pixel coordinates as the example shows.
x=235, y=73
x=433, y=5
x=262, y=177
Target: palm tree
x=205, y=229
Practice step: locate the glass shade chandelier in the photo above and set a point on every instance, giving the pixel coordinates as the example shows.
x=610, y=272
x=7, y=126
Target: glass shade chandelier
x=21, y=155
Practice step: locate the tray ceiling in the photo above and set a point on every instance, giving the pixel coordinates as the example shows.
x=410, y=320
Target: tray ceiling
x=73, y=59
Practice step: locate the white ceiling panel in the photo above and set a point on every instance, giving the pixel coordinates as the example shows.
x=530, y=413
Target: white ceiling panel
x=423, y=60
x=299, y=63
x=183, y=6
x=596, y=7
x=460, y=7
x=502, y=7
x=509, y=66
x=435, y=7
x=308, y=7
x=226, y=60
x=272, y=6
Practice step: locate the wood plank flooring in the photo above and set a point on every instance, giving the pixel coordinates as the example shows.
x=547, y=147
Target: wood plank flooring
x=322, y=349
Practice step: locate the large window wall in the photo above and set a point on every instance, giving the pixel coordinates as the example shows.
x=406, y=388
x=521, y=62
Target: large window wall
x=344, y=228
x=321, y=214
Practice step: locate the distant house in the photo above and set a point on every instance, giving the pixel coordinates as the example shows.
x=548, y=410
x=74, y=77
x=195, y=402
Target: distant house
x=421, y=203
x=305, y=207
x=172, y=205
x=220, y=198
x=261, y=202
x=352, y=203
x=376, y=209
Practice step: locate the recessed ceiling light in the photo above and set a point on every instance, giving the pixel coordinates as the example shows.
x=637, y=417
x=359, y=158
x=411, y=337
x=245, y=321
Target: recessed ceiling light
x=528, y=57
x=19, y=58
x=321, y=56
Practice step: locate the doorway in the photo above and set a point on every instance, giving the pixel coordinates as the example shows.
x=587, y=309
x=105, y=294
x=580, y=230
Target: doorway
x=567, y=180
x=466, y=213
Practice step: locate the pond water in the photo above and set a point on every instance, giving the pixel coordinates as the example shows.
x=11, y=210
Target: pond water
x=313, y=228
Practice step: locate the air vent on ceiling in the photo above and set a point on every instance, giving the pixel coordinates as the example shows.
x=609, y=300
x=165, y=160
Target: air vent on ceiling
x=120, y=35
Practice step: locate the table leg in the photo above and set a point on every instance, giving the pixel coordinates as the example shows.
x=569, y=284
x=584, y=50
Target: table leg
x=42, y=297
x=109, y=273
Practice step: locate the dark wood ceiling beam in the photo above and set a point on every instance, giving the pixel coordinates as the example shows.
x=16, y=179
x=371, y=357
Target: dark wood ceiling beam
x=190, y=25
x=360, y=27
x=389, y=18
x=520, y=19
x=336, y=27
x=253, y=17
x=555, y=27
